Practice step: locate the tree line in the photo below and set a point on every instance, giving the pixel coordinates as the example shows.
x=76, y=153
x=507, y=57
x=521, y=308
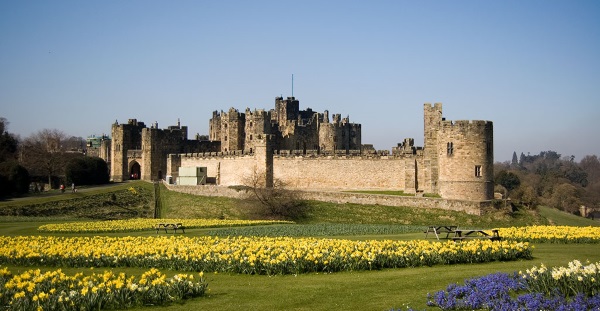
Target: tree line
x=550, y=179
x=45, y=159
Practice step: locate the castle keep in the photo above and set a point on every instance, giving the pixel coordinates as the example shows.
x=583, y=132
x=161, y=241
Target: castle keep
x=306, y=150
x=289, y=127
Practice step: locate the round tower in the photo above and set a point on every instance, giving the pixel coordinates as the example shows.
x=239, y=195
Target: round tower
x=466, y=158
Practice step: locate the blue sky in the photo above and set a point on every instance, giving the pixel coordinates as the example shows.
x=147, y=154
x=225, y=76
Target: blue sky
x=531, y=67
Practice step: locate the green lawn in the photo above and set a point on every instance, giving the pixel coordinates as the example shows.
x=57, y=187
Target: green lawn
x=359, y=290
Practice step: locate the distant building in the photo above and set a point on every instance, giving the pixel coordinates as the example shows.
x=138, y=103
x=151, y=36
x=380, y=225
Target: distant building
x=98, y=146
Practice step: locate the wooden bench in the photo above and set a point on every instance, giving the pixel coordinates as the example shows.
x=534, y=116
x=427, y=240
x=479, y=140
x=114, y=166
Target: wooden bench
x=464, y=234
x=170, y=226
x=440, y=229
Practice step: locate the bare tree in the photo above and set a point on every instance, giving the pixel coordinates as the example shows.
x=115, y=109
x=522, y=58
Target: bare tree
x=276, y=201
x=44, y=153
x=591, y=165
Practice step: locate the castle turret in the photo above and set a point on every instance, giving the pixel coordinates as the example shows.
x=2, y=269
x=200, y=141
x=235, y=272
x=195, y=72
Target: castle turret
x=287, y=109
x=233, y=124
x=264, y=160
x=257, y=123
x=126, y=143
x=430, y=172
x=466, y=160
x=214, y=131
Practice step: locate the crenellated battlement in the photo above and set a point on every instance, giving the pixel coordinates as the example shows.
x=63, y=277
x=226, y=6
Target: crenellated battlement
x=465, y=123
x=303, y=154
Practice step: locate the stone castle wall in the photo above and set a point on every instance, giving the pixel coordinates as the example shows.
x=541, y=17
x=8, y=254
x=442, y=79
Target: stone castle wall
x=326, y=172
x=340, y=172
x=470, y=207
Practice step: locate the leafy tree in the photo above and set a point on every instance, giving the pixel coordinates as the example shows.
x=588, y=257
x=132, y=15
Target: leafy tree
x=574, y=173
x=547, y=178
x=529, y=196
x=566, y=198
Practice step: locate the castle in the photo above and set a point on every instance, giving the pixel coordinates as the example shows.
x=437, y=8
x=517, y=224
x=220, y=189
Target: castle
x=305, y=150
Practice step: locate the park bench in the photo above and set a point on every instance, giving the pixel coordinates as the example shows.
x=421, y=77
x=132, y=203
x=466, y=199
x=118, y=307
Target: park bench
x=170, y=226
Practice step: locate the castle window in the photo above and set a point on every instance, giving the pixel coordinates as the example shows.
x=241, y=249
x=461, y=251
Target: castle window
x=450, y=148
x=477, y=170
x=225, y=138
x=250, y=136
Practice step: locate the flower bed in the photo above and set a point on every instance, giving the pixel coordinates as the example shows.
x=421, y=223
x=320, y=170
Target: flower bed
x=54, y=290
x=144, y=224
x=252, y=255
x=564, y=288
x=552, y=234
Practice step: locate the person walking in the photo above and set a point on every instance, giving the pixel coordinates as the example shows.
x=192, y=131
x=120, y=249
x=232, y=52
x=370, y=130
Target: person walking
x=73, y=188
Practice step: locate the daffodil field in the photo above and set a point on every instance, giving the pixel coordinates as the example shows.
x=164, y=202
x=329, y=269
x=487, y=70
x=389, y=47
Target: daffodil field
x=144, y=224
x=284, y=251
x=552, y=234
x=54, y=290
x=250, y=255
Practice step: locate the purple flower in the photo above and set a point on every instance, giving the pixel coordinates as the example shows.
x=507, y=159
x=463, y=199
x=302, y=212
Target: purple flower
x=504, y=292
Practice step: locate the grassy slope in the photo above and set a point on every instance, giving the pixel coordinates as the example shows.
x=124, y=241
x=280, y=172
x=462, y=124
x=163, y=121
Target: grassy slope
x=364, y=290
x=560, y=218
x=180, y=205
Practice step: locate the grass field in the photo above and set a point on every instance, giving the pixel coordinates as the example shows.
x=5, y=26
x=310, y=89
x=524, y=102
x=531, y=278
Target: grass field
x=359, y=290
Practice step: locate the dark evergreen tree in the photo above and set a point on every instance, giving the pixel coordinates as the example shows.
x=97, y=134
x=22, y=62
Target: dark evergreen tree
x=87, y=171
x=514, y=162
x=508, y=180
x=14, y=179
